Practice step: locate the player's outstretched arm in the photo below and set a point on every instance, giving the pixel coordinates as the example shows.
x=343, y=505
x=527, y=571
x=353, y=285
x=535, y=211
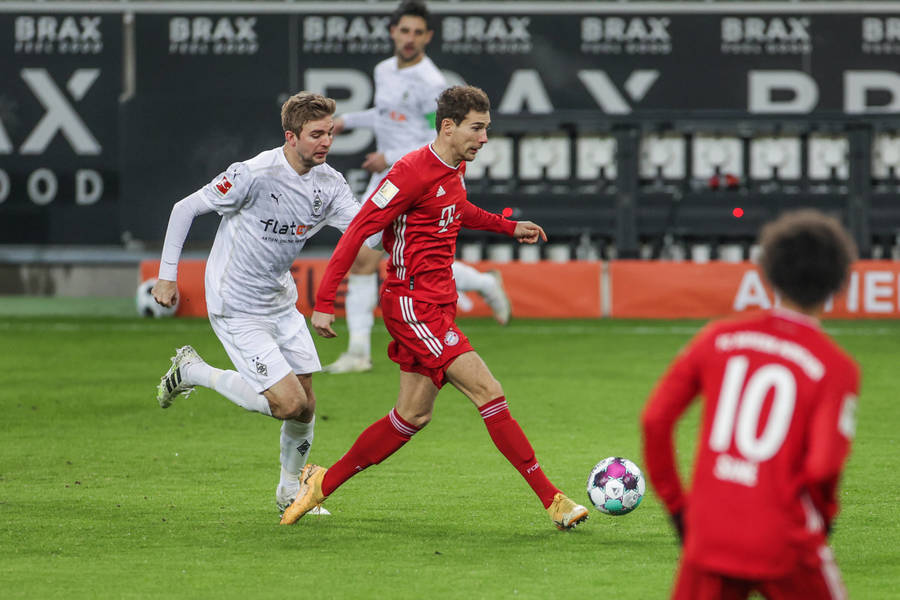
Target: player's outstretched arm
x=322, y=322
x=165, y=292
x=529, y=233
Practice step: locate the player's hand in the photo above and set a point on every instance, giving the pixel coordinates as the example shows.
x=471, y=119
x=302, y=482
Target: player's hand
x=375, y=162
x=678, y=523
x=339, y=126
x=165, y=292
x=529, y=233
x=321, y=322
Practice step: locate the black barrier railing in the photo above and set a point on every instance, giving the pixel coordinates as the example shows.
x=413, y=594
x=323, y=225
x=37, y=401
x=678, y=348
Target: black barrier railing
x=838, y=163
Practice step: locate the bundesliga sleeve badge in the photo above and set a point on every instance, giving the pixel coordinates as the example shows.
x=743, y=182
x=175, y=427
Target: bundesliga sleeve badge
x=385, y=194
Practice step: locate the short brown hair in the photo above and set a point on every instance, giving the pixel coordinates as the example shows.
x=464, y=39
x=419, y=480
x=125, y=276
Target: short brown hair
x=304, y=107
x=412, y=8
x=806, y=256
x=456, y=102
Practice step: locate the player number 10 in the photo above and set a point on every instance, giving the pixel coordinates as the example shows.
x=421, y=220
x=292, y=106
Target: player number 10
x=738, y=414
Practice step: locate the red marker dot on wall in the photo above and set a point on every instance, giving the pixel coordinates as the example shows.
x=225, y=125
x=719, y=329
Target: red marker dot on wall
x=507, y=212
x=738, y=212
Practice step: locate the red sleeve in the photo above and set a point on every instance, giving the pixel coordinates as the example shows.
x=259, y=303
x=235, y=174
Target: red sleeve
x=671, y=397
x=371, y=219
x=474, y=217
x=831, y=432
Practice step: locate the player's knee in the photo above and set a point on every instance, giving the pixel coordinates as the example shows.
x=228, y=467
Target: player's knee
x=487, y=390
x=294, y=406
x=419, y=420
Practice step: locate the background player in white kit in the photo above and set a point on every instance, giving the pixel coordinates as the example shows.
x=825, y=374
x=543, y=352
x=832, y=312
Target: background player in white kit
x=406, y=89
x=271, y=205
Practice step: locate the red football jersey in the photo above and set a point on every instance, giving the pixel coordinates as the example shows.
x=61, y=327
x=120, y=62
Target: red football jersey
x=779, y=400
x=420, y=206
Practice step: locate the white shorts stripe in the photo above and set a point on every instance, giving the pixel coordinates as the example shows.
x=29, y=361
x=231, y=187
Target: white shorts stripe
x=398, y=425
x=399, y=245
x=421, y=330
x=494, y=410
x=832, y=574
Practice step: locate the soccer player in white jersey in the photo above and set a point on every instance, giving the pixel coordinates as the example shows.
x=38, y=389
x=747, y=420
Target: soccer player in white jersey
x=271, y=205
x=406, y=89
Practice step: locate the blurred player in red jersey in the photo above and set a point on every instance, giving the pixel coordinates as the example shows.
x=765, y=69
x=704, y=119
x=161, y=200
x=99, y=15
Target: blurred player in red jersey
x=779, y=401
x=420, y=206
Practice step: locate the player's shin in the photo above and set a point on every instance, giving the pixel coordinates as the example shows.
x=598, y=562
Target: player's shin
x=512, y=443
x=362, y=296
x=296, y=441
x=381, y=439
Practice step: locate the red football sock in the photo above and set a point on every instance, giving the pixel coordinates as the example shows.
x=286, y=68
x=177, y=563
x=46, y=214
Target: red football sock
x=511, y=441
x=381, y=439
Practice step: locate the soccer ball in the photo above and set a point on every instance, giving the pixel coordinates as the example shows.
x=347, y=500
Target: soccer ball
x=615, y=486
x=147, y=306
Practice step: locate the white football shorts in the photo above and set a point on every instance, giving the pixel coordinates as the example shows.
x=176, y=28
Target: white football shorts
x=265, y=349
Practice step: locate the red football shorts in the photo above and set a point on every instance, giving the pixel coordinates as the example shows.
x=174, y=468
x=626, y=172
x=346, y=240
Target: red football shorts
x=822, y=582
x=426, y=340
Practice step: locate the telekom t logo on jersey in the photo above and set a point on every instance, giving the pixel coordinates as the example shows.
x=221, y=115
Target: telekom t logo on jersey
x=447, y=217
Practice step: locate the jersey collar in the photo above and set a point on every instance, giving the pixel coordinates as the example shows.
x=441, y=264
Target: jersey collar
x=441, y=160
x=796, y=317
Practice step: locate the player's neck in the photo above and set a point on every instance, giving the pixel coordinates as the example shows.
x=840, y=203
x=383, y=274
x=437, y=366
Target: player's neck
x=445, y=152
x=294, y=161
x=814, y=311
x=403, y=64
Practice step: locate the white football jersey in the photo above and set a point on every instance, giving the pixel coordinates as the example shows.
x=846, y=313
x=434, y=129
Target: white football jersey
x=405, y=102
x=268, y=214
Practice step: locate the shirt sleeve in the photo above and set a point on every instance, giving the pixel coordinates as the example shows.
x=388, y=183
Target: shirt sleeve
x=474, y=217
x=673, y=394
x=392, y=198
x=227, y=193
x=363, y=118
x=831, y=432
x=183, y=214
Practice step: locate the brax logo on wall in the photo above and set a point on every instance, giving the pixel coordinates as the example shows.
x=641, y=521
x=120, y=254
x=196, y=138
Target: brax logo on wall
x=218, y=36
x=356, y=35
x=770, y=35
x=58, y=35
x=486, y=35
x=617, y=35
x=881, y=35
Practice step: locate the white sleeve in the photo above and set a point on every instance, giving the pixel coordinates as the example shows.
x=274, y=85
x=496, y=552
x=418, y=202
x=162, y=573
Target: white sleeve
x=229, y=191
x=363, y=118
x=183, y=214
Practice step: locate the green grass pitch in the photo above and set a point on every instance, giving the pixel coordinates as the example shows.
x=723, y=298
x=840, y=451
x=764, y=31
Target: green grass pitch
x=103, y=494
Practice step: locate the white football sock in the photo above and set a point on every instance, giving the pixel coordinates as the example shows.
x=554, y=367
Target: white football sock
x=362, y=295
x=471, y=279
x=231, y=385
x=296, y=440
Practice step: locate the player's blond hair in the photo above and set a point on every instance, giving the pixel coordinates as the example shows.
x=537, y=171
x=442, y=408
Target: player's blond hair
x=304, y=107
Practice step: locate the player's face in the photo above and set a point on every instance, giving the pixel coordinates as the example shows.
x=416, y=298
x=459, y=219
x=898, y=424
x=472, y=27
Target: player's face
x=312, y=145
x=410, y=36
x=469, y=136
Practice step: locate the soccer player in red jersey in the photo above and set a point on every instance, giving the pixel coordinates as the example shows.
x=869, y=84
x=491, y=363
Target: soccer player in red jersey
x=420, y=206
x=779, y=401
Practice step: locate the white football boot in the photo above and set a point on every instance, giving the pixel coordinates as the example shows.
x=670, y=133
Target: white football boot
x=172, y=383
x=349, y=363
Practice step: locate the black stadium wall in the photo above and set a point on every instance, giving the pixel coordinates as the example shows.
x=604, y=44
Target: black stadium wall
x=110, y=112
